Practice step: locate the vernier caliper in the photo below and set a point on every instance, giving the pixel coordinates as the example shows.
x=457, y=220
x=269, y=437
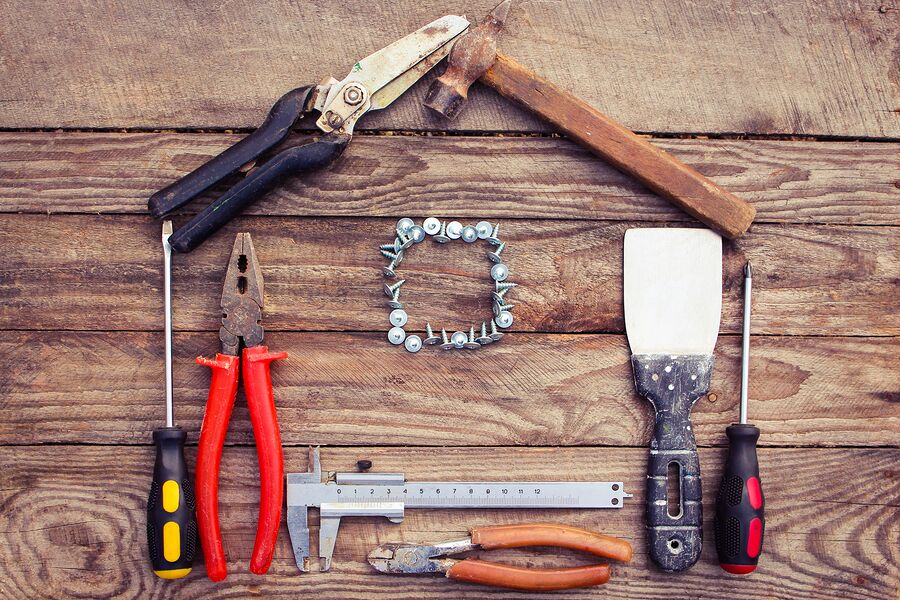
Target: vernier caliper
x=364, y=494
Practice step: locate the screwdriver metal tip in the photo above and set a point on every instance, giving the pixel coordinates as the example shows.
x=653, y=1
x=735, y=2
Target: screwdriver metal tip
x=748, y=270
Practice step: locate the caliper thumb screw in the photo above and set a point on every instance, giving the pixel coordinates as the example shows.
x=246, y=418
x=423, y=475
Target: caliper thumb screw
x=363, y=465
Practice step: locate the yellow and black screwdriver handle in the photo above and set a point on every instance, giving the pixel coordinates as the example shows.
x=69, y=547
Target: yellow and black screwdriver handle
x=171, y=525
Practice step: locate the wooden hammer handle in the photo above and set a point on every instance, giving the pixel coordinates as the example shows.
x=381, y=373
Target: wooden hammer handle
x=660, y=171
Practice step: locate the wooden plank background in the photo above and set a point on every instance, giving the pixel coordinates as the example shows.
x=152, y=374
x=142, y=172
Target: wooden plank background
x=791, y=105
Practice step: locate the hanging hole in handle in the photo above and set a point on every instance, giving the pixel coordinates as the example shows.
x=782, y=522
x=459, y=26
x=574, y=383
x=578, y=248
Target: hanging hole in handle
x=675, y=546
x=673, y=490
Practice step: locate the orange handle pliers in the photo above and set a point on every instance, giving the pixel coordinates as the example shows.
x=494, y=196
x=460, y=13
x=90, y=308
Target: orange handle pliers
x=416, y=559
x=242, y=300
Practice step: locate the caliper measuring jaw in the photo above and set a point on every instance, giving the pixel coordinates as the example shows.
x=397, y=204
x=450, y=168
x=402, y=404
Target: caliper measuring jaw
x=362, y=494
x=307, y=490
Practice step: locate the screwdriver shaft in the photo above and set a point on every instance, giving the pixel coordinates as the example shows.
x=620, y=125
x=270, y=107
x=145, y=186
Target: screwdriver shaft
x=745, y=342
x=167, y=294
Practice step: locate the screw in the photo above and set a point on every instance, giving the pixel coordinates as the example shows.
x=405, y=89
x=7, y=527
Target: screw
x=390, y=289
x=388, y=247
x=394, y=302
x=499, y=308
x=495, y=255
x=353, y=95
x=417, y=234
x=392, y=256
x=398, y=317
x=499, y=272
x=396, y=335
x=471, y=344
x=441, y=236
x=484, y=230
x=469, y=234
x=454, y=230
x=389, y=270
x=404, y=240
x=430, y=338
x=498, y=296
x=431, y=225
x=334, y=119
x=495, y=335
x=504, y=319
x=405, y=224
x=492, y=239
x=459, y=339
x=446, y=344
x=503, y=286
x=484, y=339
x=413, y=343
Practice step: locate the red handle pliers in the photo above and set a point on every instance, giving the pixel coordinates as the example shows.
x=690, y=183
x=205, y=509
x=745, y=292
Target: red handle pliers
x=242, y=301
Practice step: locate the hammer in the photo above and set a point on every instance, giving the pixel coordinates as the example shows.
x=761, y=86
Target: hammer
x=474, y=56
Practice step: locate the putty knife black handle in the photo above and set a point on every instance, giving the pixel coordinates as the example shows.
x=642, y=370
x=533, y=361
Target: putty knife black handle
x=672, y=385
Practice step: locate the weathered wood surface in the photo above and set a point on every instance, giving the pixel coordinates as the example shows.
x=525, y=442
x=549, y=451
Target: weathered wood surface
x=103, y=272
x=534, y=390
x=523, y=177
x=73, y=525
x=803, y=67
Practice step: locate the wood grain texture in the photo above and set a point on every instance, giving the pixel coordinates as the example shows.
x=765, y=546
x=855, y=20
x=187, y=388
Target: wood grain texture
x=388, y=176
x=660, y=171
x=348, y=389
x=68, y=536
x=803, y=66
x=103, y=272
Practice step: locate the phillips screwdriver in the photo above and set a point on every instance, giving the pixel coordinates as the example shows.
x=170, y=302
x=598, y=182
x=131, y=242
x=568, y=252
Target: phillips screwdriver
x=740, y=520
x=171, y=526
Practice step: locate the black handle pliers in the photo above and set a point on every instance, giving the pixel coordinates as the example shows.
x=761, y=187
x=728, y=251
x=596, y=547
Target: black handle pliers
x=373, y=83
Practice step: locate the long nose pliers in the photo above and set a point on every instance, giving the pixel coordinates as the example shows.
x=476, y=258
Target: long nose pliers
x=374, y=83
x=242, y=302
x=414, y=559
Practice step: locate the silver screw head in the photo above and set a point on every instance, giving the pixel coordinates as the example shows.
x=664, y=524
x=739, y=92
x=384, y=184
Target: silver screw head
x=504, y=319
x=396, y=335
x=353, y=95
x=431, y=225
x=469, y=234
x=395, y=304
x=499, y=272
x=492, y=239
x=417, y=234
x=389, y=270
x=390, y=289
x=495, y=335
x=495, y=255
x=459, y=339
x=403, y=241
x=413, y=343
x=405, y=224
x=398, y=317
x=454, y=230
x=499, y=308
x=484, y=230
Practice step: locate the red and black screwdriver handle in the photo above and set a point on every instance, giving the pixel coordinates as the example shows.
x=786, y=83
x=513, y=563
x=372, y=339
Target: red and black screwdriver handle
x=261, y=404
x=740, y=520
x=297, y=159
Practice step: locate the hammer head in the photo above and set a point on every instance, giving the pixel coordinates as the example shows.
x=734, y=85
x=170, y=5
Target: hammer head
x=472, y=55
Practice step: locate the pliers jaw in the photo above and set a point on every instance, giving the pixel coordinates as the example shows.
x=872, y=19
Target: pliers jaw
x=415, y=559
x=242, y=299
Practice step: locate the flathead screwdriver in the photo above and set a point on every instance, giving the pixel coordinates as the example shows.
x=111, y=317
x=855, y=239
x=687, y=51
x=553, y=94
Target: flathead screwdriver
x=171, y=525
x=739, y=507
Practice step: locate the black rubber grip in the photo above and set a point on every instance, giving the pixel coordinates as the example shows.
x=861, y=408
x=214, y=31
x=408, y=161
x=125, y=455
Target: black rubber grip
x=171, y=524
x=740, y=520
x=297, y=159
x=272, y=132
x=672, y=385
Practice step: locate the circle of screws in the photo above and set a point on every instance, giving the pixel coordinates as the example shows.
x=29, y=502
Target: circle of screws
x=408, y=234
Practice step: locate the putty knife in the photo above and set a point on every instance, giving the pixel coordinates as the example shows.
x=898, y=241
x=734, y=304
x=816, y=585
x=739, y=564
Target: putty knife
x=673, y=302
